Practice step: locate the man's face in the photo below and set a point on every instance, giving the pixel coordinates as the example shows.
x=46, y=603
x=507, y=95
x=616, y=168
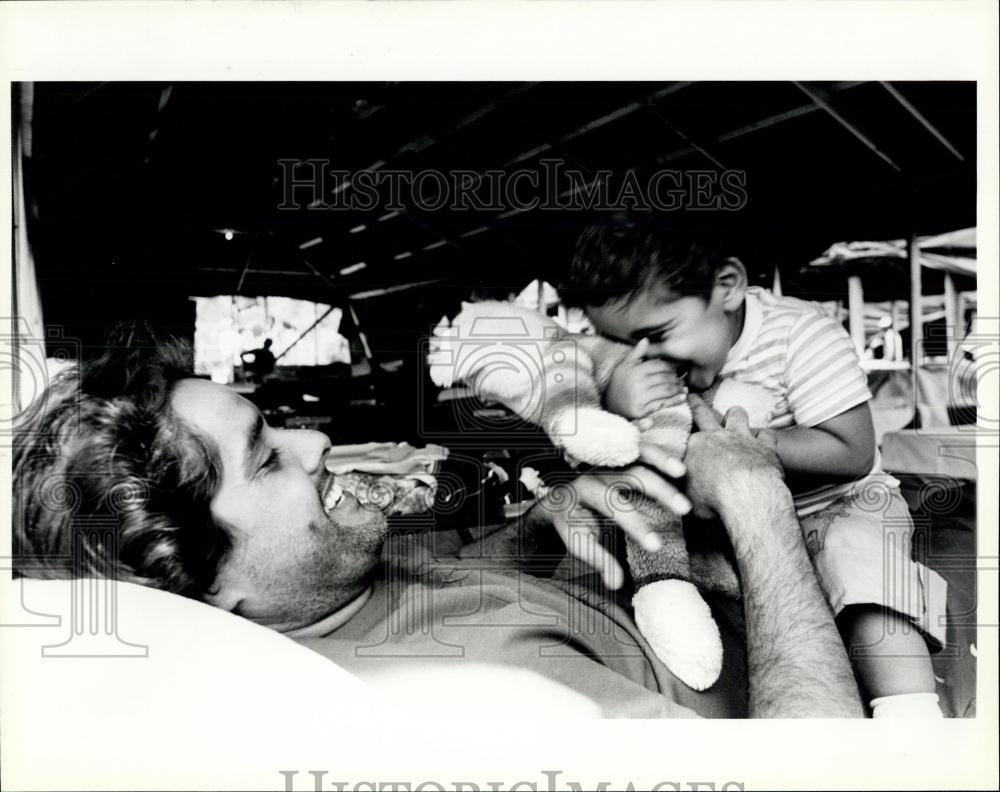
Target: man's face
x=694, y=334
x=292, y=561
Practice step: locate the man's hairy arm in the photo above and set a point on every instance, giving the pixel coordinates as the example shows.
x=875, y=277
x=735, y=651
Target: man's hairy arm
x=797, y=663
x=795, y=655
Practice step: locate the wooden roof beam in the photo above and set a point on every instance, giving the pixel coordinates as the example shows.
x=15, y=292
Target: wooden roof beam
x=895, y=94
x=820, y=102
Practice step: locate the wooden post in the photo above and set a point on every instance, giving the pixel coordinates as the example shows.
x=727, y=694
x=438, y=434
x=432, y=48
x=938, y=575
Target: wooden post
x=897, y=341
x=952, y=315
x=856, y=313
x=916, y=319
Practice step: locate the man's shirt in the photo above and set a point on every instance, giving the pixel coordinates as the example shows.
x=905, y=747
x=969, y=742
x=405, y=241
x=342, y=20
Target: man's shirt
x=481, y=610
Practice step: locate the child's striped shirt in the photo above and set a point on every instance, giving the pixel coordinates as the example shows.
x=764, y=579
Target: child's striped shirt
x=808, y=365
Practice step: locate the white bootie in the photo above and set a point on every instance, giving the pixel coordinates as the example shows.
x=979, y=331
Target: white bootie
x=907, y=705
x=679, y=626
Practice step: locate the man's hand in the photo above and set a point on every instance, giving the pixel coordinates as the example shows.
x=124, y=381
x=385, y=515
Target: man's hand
x=639, y=387
x=727, y=459
x=575, y=509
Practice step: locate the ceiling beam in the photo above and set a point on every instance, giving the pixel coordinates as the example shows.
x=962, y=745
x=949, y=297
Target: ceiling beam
x=820, y=102
x=364, y=295
x=297, y=256
x=788, y=115
x=597, y=123
x=253, y=271
x=424, y=141
x=246, y=269
x=693, y=145
x=908, y=106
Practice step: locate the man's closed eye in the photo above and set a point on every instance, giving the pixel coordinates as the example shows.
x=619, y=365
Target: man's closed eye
x=272, y=463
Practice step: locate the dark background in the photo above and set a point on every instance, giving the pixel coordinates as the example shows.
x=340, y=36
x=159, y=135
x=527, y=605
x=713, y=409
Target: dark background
x=129, y=185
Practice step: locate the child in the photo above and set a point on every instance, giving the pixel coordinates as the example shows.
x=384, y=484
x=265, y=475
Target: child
x=688, y=310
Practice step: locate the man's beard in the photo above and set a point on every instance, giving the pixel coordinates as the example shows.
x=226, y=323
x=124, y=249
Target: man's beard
x=357, y=540
x=341, y=567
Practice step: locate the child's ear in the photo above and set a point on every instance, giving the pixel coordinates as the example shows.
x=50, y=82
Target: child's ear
x=731, y=283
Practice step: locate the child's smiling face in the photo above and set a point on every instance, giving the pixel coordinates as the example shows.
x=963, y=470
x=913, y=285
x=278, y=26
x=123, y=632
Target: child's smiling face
x=693, y=333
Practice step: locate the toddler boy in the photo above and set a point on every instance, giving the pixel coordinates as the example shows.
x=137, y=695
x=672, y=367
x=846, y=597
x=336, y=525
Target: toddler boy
x=692, y=317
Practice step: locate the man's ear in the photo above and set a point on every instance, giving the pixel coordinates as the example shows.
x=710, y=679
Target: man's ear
x=731, y=279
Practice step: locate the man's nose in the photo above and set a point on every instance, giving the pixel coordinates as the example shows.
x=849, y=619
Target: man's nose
x=310, y=448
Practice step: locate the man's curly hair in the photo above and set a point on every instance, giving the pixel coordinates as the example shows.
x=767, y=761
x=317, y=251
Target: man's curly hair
x=108, y=482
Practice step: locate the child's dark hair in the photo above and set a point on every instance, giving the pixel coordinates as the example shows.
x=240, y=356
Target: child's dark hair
x=614, y=261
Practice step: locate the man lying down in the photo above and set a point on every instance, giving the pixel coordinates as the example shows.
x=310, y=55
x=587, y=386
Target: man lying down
x=220, y=507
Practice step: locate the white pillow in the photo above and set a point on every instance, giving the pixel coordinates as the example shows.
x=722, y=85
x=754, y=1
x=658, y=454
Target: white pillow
x=149, y=690
x=167, y=689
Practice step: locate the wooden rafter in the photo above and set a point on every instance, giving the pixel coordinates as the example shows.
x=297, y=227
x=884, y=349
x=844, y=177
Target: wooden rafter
x=820, y=102
x=908, y=106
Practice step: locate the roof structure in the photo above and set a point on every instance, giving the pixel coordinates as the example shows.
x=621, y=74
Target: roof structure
x=154, y=192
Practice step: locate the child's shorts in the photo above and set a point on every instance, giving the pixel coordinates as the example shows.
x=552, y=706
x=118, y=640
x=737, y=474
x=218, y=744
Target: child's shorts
x=861, y=549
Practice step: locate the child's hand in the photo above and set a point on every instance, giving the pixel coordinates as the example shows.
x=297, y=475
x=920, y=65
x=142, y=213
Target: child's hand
x=641, y=387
